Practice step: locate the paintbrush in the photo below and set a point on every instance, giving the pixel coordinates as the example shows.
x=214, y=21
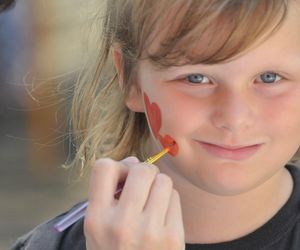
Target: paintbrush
x=79, y=213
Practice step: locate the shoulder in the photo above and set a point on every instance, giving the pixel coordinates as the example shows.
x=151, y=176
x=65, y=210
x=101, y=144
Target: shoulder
x=295, y=173
x=45, y=237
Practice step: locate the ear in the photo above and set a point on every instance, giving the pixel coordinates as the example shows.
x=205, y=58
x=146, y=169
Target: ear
x=134, y=99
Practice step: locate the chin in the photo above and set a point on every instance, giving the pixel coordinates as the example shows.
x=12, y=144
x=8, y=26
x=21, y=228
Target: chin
x=228, y=182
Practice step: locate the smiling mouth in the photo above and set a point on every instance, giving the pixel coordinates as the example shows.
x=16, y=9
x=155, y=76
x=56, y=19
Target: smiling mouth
x=237, y=153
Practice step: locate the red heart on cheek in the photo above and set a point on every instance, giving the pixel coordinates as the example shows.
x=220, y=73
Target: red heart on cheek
x=154, y=115
x=168, y=142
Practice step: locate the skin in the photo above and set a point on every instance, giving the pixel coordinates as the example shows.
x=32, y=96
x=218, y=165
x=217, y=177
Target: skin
x=220, y=199
x=148, y=214
x=154, y=116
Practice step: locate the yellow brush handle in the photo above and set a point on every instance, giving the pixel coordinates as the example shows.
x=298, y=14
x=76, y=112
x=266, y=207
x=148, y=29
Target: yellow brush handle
x=80, y=212
x=156, y=157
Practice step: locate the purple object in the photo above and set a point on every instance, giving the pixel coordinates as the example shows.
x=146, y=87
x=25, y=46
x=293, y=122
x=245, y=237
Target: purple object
x=79, y=213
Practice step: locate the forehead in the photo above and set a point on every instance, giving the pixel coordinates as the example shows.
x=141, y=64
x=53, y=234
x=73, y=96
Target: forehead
x=279, y=52
x=284, y=42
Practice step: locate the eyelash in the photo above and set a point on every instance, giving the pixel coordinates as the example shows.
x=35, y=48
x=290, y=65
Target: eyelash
x=277, y=79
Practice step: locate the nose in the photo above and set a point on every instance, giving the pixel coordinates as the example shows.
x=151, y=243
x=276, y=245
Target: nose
x=233, y=111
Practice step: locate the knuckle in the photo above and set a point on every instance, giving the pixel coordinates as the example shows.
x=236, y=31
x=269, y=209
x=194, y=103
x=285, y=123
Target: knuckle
x=130, y=159
x=104, y=161
x=120, y=232
x=105, y=165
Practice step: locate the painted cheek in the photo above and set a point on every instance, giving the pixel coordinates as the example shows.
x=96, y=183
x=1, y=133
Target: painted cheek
x=155, y=120
x=168, y=142
x=154, y=115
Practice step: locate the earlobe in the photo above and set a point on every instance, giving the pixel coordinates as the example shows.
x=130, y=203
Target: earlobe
x=134, y=99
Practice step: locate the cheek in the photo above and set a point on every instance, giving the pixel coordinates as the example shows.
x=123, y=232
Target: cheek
x=183, y=114
x=155, y=121
x=154, y=115
x=281, y=118
x=168, y=141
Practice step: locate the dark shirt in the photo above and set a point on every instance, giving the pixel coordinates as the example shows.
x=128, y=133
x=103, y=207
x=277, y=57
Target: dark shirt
x=282, y=232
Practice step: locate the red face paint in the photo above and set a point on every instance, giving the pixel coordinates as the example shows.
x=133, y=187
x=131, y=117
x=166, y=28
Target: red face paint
x=154, y=116
x=168, y=142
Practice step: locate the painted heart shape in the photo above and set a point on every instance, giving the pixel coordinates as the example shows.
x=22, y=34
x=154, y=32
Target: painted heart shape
x=168, y=142
x=154, y=115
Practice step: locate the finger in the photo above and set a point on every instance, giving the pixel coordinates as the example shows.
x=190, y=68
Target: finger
x=159, y=199
x=137, y=186
x=104, y=179
x=129, y=161
x=174, y=219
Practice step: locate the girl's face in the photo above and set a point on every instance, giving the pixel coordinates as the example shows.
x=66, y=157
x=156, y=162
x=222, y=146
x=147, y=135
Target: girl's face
x=236, y=123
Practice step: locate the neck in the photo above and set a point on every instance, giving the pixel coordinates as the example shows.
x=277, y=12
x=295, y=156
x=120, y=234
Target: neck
x=209, y=218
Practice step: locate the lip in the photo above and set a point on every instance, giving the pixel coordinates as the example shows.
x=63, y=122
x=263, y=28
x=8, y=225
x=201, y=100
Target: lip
x=237, y=153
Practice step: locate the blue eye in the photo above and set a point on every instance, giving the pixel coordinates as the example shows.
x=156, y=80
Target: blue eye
x=269, y=77
x=197, y=78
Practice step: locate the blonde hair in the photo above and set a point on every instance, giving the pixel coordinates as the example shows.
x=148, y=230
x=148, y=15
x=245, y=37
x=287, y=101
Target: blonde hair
x=214, y=30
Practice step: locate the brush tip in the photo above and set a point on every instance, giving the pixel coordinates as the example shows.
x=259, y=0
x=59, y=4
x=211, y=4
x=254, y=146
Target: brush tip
x=172, y=147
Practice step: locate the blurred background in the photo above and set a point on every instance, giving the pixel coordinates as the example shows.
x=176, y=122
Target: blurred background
x=42, y=47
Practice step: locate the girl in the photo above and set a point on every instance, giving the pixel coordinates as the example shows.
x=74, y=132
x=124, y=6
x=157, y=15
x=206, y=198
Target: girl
x=219, y=83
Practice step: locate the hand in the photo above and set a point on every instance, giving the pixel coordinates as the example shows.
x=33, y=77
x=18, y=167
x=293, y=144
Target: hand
x=147, y=215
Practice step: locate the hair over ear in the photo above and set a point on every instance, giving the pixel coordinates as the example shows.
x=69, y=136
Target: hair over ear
x=134, y=98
